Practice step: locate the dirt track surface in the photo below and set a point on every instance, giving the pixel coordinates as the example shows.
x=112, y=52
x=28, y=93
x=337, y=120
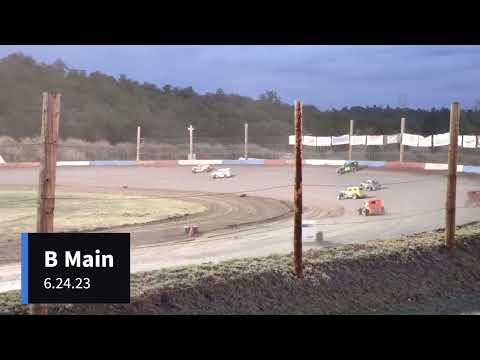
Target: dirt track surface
x=413, y=201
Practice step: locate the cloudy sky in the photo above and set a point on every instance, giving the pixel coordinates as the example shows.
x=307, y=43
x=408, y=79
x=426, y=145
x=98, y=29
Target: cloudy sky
x=325, y=76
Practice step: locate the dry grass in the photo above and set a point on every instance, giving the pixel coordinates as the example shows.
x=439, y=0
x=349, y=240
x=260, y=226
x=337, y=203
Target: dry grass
x=28, y=150
x=84, y=211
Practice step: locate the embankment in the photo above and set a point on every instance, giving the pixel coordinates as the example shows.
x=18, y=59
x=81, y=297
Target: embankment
x=372, y=278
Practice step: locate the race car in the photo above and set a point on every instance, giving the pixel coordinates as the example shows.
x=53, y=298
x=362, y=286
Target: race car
x=372, y=207
x=222, y=173
x=349, y=166
x=352, y=192
x=202, y=168
x=370, y=185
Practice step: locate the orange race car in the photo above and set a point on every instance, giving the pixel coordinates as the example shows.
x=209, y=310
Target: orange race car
x=372, y=207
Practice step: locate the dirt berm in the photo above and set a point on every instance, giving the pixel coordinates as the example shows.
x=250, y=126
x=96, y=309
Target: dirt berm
x=377, y=277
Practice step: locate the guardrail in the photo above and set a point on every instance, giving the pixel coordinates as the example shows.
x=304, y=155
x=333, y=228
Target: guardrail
x=270, y=162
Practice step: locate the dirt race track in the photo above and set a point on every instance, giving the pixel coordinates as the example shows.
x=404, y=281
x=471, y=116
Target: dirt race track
x=260, y=223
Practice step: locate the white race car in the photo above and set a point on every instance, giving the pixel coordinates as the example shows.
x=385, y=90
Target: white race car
x=222, y=173
x=370, y=185
x=202, y=168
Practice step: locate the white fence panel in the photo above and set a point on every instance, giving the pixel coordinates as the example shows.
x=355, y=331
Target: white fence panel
x=410, y=140
x=375, y=140
x=341, y=140
x=358, y=140
x=324, y=141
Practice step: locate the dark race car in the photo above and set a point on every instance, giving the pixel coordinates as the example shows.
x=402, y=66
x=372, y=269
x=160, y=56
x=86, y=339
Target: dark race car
x=349, y=166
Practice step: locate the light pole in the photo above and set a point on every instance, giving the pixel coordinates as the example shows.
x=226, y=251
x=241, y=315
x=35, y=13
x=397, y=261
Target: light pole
x=190, y=129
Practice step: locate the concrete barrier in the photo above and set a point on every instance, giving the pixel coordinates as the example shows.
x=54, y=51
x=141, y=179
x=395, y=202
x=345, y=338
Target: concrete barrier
x=375, y=164
x=125, y=162
x=113, y=163
x=254, y=161
x=444, y=167
x=335, y=162
x=244, y=162
x=471, y=169
x=199, y=162
x=275, y=162
x=73, y=163
x=431, y=166
x=292, y=162
x=157, y=163
x=102, y=163
x=20, y=165
x=404, y=165
x=321, y=162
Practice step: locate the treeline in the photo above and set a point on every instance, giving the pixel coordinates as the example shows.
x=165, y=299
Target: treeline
x=97, y=106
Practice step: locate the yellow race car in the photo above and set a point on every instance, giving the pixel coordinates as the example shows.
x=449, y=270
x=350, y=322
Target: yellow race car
x=352, y=192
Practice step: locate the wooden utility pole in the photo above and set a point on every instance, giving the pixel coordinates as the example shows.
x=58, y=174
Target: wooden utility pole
x=350, y=141
x=47, y=175
x=190, y=129
x=138, y=143
x=452, y=176
x=402, y=131
x=245, y=155
x=298, y=204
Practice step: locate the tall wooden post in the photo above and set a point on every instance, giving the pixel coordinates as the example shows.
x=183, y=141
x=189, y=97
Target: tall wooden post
x=452, y=176
x=245, y=155
x=47, y=175
x=138, y=143
x=298, y=204
x=402, y=131
x=350, y=141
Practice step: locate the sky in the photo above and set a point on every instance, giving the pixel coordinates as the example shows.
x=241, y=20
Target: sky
x=327, y=76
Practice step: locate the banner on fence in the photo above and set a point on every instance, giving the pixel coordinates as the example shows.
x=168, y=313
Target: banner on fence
x=469, y=141
x=309, y=141
x=375, y=140
x=358, y=140
x=441, y=139
x=324, y=141
x=425, y=141
x=340, y=140
x=410, y=140
x=393, y=139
